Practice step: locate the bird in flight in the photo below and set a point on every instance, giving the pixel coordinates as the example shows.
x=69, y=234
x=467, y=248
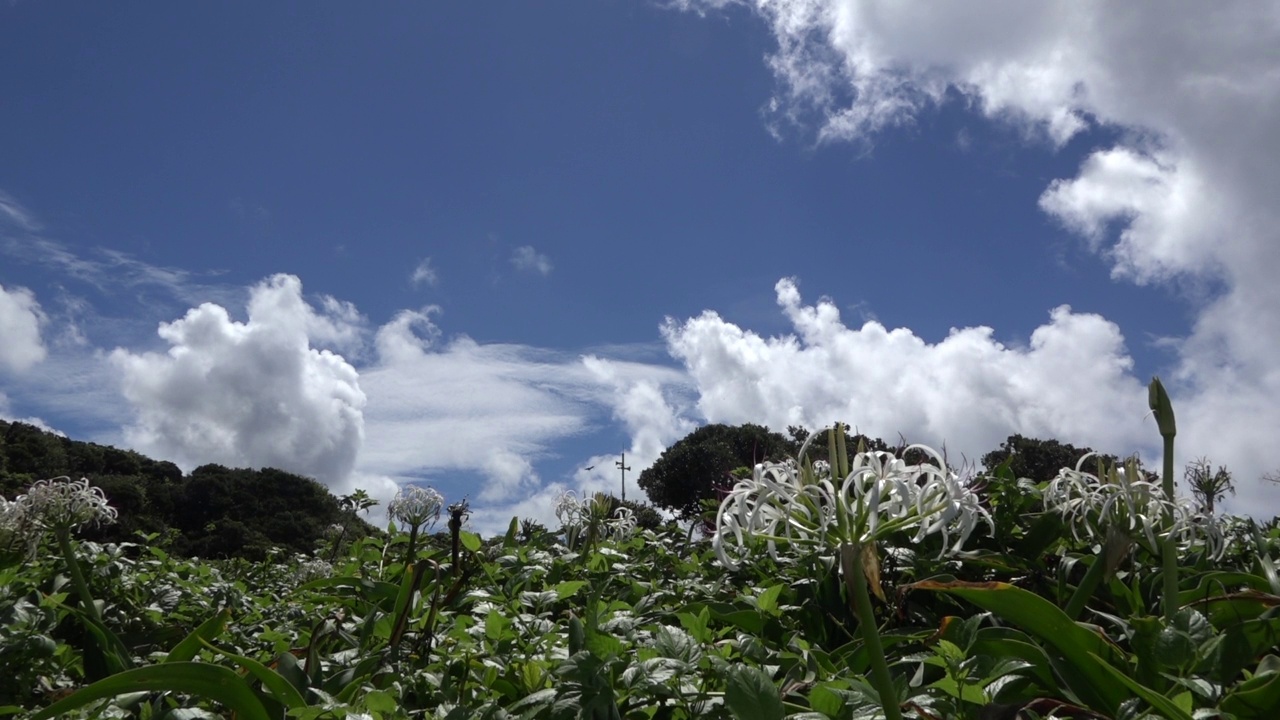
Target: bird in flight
x=588, y=468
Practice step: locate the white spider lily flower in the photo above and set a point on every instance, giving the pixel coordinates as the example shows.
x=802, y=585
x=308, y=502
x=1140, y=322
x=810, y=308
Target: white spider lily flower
x=312, y=569
x=416, y=506
x=64, y=504
x=569, y=509
x=623, y=524
x=882, y=494
x=15, y=536
x=1097, y=508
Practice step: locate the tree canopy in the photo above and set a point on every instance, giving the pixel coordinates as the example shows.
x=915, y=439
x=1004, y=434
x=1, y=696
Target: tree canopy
x=1040, y=460
x=692, y=470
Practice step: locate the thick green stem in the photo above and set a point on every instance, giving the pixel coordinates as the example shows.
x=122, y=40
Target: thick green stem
x=1162, y=407
x=1169, y=552
x=851, y=555
x=1088, y=585
x=77, y=576
x=411, y=554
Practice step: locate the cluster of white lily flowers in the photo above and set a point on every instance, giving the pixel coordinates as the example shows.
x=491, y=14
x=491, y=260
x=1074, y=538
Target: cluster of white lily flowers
x=312, y=569
x=58, y=504
x=783, y=503
x=576, y=513
x=1097, y=508
x=416, y=506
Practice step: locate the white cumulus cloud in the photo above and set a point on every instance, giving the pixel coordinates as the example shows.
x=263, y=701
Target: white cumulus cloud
x=254, y=393
x=1186, y=191
x=20, y=321
x=968, y=391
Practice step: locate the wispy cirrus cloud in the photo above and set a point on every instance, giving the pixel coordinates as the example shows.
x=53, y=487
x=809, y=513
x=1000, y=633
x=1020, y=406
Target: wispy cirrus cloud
x=425, y=274
x=527, y=259
x=15, y=215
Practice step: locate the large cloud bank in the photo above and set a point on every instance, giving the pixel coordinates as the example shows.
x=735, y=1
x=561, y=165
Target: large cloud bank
x=969, y=392
x=254, y=393
x=1186, y=195
x=20, y=320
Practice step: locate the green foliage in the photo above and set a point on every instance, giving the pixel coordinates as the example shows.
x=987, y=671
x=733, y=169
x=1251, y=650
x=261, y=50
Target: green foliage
x=691, y=470
x=637, y=628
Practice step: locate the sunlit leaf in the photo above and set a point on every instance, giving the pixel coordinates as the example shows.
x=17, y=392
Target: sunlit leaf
x=751, y=695
x=470, y=540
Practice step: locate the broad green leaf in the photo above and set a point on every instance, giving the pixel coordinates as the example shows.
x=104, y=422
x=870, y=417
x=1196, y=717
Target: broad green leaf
x=672, y=642
x=696, y=624
x=380, y=702
x=568, y=588
x=604, y=645
x=495, y=625
x=767, y=601
x=470, y=540
x=749, y=620
x=826, y=701
x=1078, y=647
x=213, y=682
x=971, y=692
x=751, y=695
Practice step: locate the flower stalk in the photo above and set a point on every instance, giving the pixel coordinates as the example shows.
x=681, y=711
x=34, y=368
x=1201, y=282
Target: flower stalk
x=851, y=562
x=1159, y=402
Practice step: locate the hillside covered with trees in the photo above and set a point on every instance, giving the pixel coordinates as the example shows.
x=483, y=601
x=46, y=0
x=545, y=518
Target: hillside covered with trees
x=214, y=512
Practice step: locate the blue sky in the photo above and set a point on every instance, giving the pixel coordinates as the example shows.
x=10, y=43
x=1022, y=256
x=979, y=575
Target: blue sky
x=486, y=246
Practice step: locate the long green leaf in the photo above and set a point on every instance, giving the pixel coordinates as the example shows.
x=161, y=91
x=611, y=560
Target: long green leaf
x=208, y=630
x=280, y=688
x=214, y=682
x=1076, y=645
x=114, y=652
x=1162, y=705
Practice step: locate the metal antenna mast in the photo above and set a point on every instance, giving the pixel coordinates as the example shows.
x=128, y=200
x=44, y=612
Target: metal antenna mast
x=622, y=465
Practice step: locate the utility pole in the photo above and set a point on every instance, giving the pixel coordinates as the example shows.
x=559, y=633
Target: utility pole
x=622, y=465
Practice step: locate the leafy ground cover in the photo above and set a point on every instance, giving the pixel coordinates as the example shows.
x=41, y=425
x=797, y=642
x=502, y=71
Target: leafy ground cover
x=853, y=587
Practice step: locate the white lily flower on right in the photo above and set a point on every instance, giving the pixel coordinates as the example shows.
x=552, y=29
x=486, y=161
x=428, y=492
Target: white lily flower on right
x=1122, y=505
x=881, y=494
